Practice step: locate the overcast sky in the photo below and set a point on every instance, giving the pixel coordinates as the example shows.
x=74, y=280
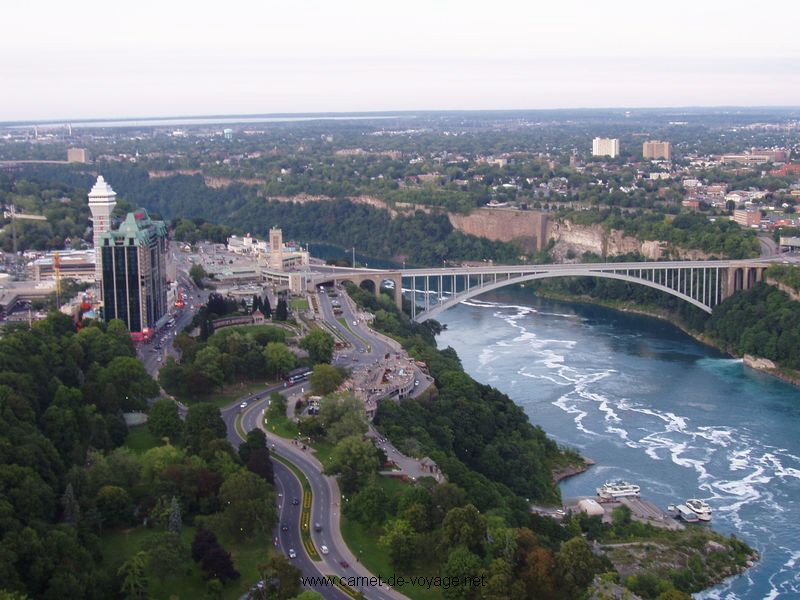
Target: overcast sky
x=86, y=58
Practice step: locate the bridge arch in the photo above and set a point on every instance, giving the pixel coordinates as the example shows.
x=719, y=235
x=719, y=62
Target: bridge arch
x=478, y=290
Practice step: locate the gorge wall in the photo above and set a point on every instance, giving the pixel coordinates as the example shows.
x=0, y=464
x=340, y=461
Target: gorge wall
x=533, y=230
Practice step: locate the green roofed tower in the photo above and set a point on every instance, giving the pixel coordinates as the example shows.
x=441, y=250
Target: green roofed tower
x=134, y=281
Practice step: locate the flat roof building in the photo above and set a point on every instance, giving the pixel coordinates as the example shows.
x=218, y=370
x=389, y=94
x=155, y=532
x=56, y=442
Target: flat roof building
x=657, y=150
x=605, y=147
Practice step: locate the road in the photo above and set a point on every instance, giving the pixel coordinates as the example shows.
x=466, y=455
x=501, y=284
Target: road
x=325, y=508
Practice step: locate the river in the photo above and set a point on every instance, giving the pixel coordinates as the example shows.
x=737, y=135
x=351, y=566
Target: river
x=651, y=405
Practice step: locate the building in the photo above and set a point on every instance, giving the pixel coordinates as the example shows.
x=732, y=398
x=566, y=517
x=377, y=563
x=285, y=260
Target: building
x=657, y=150
x=72, y=264
x=134, y=282
x=273, y=254
x=102, y=200
x=747, y=218
x=605, y=147
x=77, y=155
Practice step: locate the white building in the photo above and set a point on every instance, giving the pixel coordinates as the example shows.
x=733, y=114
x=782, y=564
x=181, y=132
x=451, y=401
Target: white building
x=273, y=254
x=102, y=200
x=605, y=147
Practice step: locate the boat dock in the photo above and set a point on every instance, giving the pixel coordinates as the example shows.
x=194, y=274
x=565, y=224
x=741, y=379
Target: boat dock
x=643, y=511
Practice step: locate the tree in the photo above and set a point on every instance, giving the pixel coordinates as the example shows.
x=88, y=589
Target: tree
x=217, y=564
x=204, y=540
x=114, y=505
x=163, y=421
x=255, y=439
x=281, y=310
x=203, y=423
x=354, y=460
x=319, y=345
x=70, y=507
x=172, y=376
x=278, y=359
x=369, y=505
x=134, y=582
x=249, y=506
x=325, y=379
x=281, y=576
x=166, y=554
x=277, y=405
x=464, y=527
x=260, y=463
x=266, y=308
x=461, y=564
x=209, y=362
x=402, y=542
x=175, y=520
x=577, y=565
x=131, y=381
x=342, y=415
x=197, y=273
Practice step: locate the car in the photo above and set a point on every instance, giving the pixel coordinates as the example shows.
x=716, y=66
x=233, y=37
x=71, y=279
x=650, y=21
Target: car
x=344, y=564
x=158, y=359
x=295, y=501
x=324, y=549
x=317, y=527
x=243, y=404
x=284, y=527
x=292, y=553
x=416, y=382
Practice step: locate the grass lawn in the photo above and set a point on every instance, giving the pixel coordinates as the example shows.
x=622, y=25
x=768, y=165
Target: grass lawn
x=300, y=304
x=140, y=439
x=285, y=428
x=231, y=392
x=119, y=545
x=279, y=332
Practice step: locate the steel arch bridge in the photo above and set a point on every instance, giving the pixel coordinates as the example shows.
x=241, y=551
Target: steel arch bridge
x=703, y=284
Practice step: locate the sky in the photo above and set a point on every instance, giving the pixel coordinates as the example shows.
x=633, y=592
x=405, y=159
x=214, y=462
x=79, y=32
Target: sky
x=92, y=59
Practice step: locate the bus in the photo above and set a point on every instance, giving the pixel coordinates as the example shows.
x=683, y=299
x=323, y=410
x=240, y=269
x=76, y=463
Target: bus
x=298, y=375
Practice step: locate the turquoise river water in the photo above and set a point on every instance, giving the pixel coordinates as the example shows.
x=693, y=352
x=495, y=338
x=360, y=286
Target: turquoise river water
x=650, y=405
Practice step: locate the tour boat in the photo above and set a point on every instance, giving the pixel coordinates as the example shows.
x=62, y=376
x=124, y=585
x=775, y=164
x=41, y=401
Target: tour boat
x=611, y=490
x=700, y=508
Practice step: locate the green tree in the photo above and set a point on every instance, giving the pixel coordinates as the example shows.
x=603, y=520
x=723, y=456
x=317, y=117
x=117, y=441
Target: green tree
x=132, y=382
x=70, y=507
x=325, y=379
x=464, y=527
x=249, y=506
x=114, y=505
x=203, y=423
x=163, y=421
x=319, y=345
x=402, y=543
x=461, y=564
x=175, y=520
x=197, y=273
x=577, y=565
x=342, y=415
x=166, y=554
x=278, y=359
x=134, y=578
x=354, y=460
x=369, y=506
x=281, y=310
x=209, y=362
x=282, y=576
x=255, y=439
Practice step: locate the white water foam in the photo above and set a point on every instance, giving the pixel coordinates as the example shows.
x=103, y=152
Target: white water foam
x=737, y=491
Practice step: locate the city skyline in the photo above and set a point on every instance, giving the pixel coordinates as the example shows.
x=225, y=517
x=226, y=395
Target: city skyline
x=356, y=57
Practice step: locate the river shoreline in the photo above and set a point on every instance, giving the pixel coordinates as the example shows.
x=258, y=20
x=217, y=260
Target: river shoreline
x=752, y=362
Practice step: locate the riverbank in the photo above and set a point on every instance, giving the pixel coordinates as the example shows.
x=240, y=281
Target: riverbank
x=754, y=362
x=572, y=470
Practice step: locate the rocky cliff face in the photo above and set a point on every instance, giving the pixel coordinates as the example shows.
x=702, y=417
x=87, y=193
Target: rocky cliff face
x=527, y=228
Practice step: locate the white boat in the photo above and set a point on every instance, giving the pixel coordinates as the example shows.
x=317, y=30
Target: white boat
x=612, y=490
x=700, y=508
